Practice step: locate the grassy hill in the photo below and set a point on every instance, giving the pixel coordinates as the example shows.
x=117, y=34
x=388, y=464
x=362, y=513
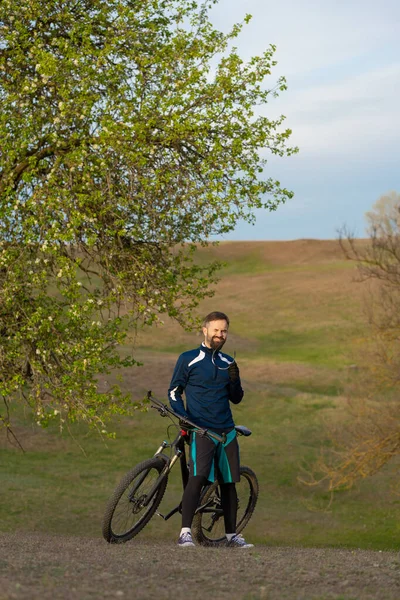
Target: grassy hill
x=296, y=315
x=295, y=312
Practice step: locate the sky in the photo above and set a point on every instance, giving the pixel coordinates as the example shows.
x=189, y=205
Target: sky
x=341, y=59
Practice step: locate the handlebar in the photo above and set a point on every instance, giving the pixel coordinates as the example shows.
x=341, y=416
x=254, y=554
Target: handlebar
x=163, y=409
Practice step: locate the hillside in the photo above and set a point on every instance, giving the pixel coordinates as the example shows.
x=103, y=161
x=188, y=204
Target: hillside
x=296, y=320
x=295, y=309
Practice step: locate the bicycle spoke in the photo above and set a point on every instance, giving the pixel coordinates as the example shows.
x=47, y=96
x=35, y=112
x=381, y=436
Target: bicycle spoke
x=130, y=509
x=213, y=516
x=209, y=525
x=244, y=499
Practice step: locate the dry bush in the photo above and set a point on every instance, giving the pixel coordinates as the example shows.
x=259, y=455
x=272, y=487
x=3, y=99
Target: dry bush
x=369, y=436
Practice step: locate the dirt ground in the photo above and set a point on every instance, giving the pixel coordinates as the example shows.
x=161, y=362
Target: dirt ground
x=54, y=567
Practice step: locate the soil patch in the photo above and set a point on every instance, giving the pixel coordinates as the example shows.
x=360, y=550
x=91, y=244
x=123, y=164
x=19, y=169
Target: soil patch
x=56, y=567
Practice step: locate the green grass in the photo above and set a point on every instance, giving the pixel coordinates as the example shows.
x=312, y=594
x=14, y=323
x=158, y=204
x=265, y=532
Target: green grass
x=295, y=347
x=251, y=264
x=58, y=489
x=322, y=346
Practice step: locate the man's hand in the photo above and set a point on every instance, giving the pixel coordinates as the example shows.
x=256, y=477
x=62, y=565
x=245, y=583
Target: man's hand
x=233, y=371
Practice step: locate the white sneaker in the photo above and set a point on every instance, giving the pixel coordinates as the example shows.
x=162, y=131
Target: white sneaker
x=185, y=540
x=238, y=541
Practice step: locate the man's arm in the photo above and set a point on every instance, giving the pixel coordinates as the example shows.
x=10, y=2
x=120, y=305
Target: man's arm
x=177, y=385
x=235, y=387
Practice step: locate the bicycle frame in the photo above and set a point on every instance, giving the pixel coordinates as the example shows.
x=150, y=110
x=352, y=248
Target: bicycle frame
x=168, y=466
x=179, y=447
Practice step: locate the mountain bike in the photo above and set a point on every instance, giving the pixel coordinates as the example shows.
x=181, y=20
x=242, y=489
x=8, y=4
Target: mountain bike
x=136, y=498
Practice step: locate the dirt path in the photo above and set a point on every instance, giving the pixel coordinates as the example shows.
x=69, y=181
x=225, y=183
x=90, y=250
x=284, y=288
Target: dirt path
x=54, y=567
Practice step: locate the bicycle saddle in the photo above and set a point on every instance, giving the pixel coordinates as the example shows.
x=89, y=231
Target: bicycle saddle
x=242, y=430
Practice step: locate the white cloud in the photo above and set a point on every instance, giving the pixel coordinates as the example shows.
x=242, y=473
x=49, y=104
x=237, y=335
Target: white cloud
x=346, y=116
x=375, y=85
x=311, y=34
x=342, y=62
x=335, y=41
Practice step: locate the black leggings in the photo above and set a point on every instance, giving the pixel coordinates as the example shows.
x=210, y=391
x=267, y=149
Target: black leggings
x=191, y=497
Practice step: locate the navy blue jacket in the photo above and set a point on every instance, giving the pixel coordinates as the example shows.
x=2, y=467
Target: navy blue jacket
x=208, y=390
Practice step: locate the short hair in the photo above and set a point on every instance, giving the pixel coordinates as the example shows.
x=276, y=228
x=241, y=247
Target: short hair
x=215, y=316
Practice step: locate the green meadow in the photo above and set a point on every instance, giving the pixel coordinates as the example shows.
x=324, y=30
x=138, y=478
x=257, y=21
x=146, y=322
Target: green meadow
x=296, y=319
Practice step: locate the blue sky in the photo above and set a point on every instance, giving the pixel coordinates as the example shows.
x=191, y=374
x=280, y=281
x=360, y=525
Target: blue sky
x=342, y=63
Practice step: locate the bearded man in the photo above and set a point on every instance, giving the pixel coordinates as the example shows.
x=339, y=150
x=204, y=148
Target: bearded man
x=211, y=381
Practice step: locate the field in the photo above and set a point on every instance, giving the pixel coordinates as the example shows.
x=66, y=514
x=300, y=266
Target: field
x=296, y=323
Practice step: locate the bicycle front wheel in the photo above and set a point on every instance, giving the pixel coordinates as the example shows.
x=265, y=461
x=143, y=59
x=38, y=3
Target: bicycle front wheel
x=208, y=527
x=127, y=513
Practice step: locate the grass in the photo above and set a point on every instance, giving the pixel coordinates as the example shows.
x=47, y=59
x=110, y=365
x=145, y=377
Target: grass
x=318, y=346
x=56, y=488
x=295, y=316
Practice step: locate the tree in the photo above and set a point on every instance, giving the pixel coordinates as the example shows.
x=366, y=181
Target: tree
x=129, y=137
x=371, y=437
x=384, y=217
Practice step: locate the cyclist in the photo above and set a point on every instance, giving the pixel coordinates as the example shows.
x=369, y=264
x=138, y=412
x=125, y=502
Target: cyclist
x=210, y=380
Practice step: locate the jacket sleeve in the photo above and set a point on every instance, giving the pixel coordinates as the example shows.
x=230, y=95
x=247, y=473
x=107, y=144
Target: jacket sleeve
x=236, y=392
x=177, y=386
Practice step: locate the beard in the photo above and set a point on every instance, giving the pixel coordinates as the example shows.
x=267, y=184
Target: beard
x=216, y=343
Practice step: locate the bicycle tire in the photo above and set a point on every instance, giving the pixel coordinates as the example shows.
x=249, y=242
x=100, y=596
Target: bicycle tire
x=208, y=526
x=122, y=506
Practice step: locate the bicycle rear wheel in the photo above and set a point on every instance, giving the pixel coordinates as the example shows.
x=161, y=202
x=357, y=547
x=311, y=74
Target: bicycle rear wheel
x=208, y=527
x=125, y=514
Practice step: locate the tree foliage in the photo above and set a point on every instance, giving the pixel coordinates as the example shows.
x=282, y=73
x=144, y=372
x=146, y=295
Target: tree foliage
x=131, y=132
x=384, y=218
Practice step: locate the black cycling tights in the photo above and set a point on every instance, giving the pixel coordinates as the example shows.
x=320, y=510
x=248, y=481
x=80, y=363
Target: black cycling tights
x=191, y=497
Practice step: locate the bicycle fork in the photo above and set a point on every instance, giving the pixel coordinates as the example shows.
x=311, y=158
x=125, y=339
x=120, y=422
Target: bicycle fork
x=164, y=472
x=143, y=476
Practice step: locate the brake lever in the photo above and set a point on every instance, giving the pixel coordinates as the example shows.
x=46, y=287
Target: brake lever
x=160, y=410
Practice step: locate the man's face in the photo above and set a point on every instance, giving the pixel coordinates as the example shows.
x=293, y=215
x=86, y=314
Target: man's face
x=215, y=334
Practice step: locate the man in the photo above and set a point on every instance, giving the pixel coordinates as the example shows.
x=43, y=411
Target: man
x=211, y=381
